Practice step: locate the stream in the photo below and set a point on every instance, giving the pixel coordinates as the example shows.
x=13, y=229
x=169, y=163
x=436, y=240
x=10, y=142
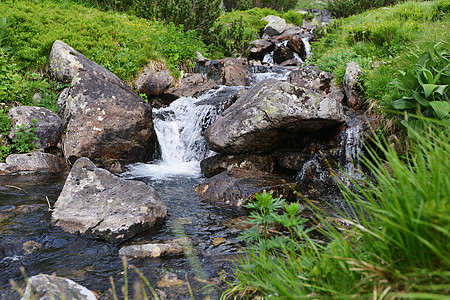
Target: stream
x=27, y=239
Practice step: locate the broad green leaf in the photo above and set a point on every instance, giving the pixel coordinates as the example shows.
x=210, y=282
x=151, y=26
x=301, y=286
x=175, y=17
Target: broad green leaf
x=410, y=81
x=419, y=98
x=429, y=89
x=402, y=104
x=423, y=59
x=400, y=86
x=441, y=108
x=427, y=75
x=442, y=89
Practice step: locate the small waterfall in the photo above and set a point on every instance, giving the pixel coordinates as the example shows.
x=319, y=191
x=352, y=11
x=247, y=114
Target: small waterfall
x=351, y=147
x=180, y=129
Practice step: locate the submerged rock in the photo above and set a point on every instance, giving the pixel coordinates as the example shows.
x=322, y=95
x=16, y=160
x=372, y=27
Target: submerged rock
x=237, y=186
x=46, y=287
x=98, y=204
x=268, y=114
x=152, y=250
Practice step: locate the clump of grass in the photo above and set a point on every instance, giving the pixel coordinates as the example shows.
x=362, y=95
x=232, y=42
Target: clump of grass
x=395, y=241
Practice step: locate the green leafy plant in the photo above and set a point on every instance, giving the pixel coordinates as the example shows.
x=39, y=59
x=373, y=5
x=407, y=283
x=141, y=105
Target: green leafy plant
x=248, y=4
x=4, y=24
x=425, y=86
x=25, y=138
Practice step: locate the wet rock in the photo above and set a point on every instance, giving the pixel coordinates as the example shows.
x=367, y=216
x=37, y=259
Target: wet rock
x=236, y=186
x=96, y=203
x=49, y=126
x=317, y=80
x=35, y=162
x=293, y=40
x=45, y=287
x=30, y=247
x=217, y=164
x=190, y=87
x=6, y=169
x=153, y=84
x=282, y=53
x=268, y=114
x=170, y=280
x=352, y=86
x=292, y=160
x=151, y=250
x=291, y=63
x=259, y=48
x=276, y=25
x=228, y=71
x=106, y=119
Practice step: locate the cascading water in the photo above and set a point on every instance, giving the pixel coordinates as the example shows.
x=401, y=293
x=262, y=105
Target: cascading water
x=351, y=147
x=179, y=128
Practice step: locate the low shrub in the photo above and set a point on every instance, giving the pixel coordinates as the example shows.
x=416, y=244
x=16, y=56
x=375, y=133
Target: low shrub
x=283, y=5
x=345, y=8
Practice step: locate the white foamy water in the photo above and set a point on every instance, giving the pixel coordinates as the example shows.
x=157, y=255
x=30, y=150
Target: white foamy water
x=179, y=128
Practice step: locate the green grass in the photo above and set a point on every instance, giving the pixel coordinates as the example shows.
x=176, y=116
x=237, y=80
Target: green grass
x=380, y=41
x=397, y=247
x=120, y=42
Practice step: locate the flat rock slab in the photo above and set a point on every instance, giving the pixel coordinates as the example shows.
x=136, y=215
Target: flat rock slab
x=34, y=162
x=237, y=186
x=98, y=204
x=152, y=250
x=46, y=287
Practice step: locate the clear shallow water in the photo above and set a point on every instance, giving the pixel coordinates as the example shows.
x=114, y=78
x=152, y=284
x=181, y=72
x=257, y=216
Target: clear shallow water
x=91, y=262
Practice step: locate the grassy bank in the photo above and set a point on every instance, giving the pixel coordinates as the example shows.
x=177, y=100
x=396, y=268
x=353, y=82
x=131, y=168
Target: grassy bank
x=381, y=42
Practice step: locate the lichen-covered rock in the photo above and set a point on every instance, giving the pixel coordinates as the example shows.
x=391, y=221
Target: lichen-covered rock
x=317, y=80
x=49, y=126
x=46, y=287
x=98, y=204
x=352, y=85
x=269, y=113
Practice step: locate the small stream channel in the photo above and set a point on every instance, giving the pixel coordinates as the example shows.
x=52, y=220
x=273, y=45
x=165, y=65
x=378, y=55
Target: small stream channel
x=27, y=239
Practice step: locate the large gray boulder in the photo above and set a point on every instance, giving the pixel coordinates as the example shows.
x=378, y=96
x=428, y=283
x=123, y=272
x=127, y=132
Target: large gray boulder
x=106, y=120
x=269, y=113
x=96, y=203
x=104, y=117
x=49, y=126
x=46, y=287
